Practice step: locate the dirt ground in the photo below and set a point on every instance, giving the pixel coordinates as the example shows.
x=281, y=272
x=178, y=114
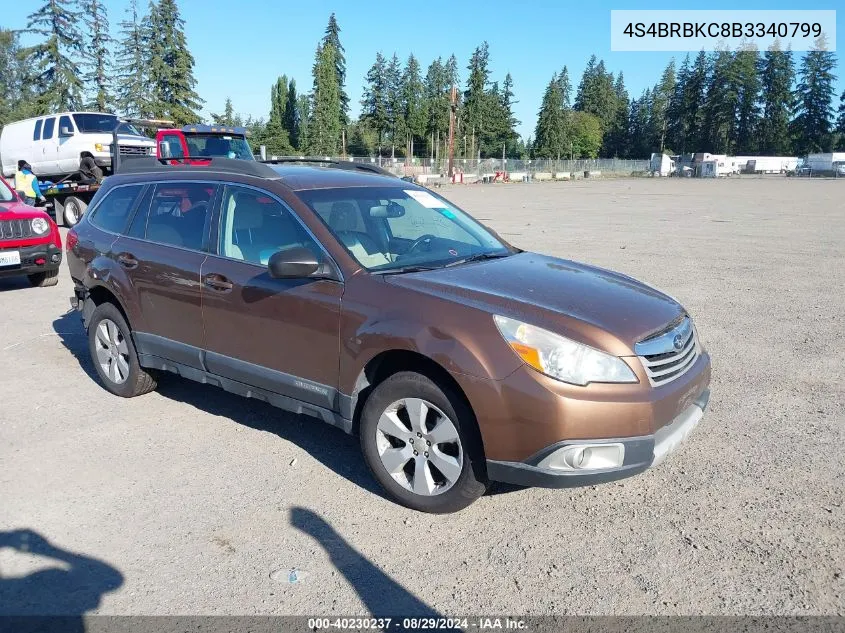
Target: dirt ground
x=193, y=501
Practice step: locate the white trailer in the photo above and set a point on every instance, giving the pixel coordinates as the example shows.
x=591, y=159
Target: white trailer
x=824, y=163
x=661, y=165
x=766, y=164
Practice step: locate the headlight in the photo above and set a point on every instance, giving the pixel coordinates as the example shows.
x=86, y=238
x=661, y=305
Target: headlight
x=40, y=225
x=98, y=147
x=561, y=358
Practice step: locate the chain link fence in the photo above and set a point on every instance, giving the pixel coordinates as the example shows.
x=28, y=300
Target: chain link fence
x=516, y=169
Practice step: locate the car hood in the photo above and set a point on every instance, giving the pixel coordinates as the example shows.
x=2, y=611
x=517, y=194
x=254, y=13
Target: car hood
x=607, y=310
x=19, y=211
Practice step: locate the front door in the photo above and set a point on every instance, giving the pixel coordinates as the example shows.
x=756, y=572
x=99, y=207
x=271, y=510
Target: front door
x=280, y=335
x=162, y=251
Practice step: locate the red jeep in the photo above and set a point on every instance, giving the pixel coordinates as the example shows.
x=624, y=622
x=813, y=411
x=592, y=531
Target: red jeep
x=30, y=243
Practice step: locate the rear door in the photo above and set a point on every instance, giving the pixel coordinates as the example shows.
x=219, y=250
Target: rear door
x=162, y=252
x=280, y=335
x=47, y=150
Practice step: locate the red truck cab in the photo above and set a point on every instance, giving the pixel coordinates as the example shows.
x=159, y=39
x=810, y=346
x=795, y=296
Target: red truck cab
x=30, y=244
x=195, y=144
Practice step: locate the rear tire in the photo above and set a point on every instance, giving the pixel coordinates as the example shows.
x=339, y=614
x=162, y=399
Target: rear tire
x=426, y=458
x=45, y=279
x=73, y=210
x=114, y=356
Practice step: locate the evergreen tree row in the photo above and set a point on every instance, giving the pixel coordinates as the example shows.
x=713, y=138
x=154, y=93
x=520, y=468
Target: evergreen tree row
x=743, y=102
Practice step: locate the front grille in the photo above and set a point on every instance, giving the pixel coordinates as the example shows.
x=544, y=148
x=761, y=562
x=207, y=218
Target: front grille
x=15, y=229
x=134, y=150
x=670, y=354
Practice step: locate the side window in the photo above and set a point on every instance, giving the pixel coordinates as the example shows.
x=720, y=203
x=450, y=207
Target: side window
x=174, y=146
x=179, y=213
x=254, y=225
x=65, y=124
x=138, y=226
x=113, y=211
x=49, y=125
x=36, y=134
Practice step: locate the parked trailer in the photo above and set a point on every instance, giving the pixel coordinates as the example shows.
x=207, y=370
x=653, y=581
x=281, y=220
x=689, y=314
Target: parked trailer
x=826, y=163
x=766, y=164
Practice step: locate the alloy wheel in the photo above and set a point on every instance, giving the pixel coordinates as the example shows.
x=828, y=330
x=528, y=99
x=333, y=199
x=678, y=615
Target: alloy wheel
x=112, y=351
x=419, y=446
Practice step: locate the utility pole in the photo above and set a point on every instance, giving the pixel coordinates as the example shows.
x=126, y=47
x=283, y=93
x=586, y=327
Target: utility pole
x=453, y=110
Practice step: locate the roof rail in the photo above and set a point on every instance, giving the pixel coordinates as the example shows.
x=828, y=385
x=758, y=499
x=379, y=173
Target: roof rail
x=331, y=163
x=142, y=164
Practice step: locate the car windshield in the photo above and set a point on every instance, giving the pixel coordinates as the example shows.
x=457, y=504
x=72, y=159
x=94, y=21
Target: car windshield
x=397, y=228
x=219, y=145
x=101, y=123
x=6, y=194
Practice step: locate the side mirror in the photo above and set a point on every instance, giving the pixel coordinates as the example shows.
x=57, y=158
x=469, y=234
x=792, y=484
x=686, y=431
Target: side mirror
x=65, y=131
x=293, y=263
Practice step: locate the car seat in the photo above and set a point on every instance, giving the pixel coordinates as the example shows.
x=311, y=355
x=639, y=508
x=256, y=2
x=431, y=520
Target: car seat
x=343, y=220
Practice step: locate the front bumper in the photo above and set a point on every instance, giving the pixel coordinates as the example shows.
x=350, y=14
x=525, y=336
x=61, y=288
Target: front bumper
x=640, y=453
x=34, y=259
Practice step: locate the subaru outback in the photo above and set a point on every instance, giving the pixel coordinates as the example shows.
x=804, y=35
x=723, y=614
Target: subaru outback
x=379, y=307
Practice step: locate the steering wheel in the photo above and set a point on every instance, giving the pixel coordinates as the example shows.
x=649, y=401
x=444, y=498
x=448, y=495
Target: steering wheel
x=422, y=239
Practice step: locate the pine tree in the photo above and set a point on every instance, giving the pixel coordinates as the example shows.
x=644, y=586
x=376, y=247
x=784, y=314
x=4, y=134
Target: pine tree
x=617, y=135
x=291, y=118
x=639, y=125
x=98, y=55
x=414, y=105
x=374, y=100
x=324, y=127
x=278, y=102
x=549, y=133
x=746, y=63
x=476, y=103
x=332, y=36
x=814, y=96
x=777, y=74
x=721, y=104
x=565, y=88
x=596, y=94
x=56, y=76
x=14, y=97
x=171, y=69
x=659, y=114
x=436, y=105
x=228, y=117
x=509, y=137
x=132, y=61
x=694, y=102
x=303, y=131
x=676, y=124
x=840, y=123
x=393, y=94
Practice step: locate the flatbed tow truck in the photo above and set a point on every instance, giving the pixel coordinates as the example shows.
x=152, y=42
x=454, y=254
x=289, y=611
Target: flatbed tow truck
x=193, y=144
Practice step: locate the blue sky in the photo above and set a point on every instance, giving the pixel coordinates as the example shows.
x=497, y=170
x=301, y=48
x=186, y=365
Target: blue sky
x=240, y=48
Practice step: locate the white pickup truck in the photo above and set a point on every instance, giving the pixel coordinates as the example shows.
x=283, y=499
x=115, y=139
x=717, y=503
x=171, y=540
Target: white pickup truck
x=54, y=144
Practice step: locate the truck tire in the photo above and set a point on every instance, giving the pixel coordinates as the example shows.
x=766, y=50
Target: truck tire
x=45, y=279
x=73, y=210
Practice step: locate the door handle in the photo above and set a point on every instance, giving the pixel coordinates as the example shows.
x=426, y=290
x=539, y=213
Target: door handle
x=127, y=260
x=217, y=282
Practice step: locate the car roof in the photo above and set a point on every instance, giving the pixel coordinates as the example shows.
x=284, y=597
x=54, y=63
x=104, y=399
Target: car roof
x=302, y=177
x=295, y=176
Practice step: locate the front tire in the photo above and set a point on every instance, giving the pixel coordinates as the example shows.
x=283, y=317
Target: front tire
x=114, y=356
x=44, y=279
x=419, y=441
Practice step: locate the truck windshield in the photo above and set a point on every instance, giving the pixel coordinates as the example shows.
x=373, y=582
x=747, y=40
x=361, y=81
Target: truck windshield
x=102, y=123
x=219, y=145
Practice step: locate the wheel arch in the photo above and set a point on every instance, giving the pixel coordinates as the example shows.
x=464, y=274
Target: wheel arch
x=389, y=362
x=99, y=294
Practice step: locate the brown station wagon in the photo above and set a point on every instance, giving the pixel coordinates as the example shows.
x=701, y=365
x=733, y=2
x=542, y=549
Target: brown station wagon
x=379, y=307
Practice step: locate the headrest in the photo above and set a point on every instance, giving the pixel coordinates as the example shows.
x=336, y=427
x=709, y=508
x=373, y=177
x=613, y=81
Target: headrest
x=343, y=217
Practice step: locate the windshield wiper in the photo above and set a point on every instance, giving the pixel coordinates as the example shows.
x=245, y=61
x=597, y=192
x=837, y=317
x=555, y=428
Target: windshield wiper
x=406, y=269
x=477, y=258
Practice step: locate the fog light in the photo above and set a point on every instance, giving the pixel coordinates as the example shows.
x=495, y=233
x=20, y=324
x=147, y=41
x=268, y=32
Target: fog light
x=585, y=457
x=54, y=258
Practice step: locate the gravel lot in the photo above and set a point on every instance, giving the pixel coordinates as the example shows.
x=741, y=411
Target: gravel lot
x=194, y=501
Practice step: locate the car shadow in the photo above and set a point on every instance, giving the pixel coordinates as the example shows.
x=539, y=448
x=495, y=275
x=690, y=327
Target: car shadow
x=332, y=447
x=14, y=283
x=382, y=595
x=53, y=598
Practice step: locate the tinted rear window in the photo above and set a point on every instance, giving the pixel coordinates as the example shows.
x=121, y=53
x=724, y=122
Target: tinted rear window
x=49, y=124
x=113, y=211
